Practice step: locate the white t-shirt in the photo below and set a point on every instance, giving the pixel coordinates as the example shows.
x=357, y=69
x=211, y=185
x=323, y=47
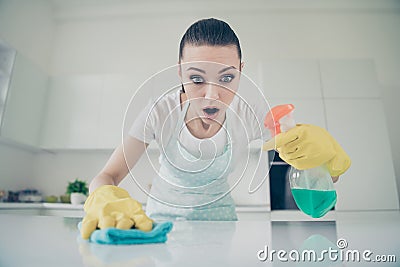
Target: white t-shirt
x=158, y=122
x=206, y=148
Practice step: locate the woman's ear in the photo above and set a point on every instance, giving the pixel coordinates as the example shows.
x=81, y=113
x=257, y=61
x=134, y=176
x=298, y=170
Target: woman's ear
x=241, y=66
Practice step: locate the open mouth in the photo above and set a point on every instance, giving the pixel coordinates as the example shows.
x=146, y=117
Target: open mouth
x=210, y=112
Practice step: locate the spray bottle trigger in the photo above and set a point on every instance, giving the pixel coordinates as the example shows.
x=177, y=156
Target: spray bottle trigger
x=273, y=118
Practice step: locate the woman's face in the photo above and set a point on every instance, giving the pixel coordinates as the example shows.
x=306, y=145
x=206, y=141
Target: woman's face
x=210, y=75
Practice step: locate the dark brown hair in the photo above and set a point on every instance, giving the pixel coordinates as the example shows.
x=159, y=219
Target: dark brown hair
x=212, y=32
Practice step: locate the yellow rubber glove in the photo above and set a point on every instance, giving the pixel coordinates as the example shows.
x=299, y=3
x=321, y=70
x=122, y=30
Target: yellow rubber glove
x=308, y=146
x=112, y=206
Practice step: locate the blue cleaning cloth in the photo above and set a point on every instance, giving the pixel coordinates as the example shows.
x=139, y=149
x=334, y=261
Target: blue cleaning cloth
x=114, y=236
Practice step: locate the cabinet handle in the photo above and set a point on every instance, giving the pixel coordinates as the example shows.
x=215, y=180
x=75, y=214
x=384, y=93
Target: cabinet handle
x=278, y=163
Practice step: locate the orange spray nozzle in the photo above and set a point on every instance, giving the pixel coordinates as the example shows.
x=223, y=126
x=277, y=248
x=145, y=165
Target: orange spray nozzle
x=274, y=115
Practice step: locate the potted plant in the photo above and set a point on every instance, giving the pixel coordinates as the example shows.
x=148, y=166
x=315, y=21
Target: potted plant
x=78, y=191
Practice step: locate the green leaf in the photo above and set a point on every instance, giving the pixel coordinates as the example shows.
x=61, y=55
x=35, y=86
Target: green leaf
x=77, y=186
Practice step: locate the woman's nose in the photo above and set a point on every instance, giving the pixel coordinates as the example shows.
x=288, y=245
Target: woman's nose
x=212, y=91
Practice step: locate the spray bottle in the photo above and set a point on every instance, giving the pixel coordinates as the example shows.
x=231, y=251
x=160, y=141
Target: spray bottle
x=312, y=189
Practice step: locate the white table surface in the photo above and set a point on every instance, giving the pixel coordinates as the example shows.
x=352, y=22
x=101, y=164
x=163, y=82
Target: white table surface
x=21, y=205
x=54, y=241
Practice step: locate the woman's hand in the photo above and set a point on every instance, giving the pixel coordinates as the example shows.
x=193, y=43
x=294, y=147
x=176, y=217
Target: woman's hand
x=112, y=206
x=308, y=146
x=109, y=205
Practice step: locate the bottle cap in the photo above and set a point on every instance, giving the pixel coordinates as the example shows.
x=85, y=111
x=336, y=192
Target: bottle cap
x=274, y=115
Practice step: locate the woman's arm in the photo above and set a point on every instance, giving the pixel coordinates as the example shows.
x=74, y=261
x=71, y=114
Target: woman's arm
x=119, y=165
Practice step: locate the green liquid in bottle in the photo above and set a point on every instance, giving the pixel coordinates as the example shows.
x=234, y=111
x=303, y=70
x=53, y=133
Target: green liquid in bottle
x=315, y=203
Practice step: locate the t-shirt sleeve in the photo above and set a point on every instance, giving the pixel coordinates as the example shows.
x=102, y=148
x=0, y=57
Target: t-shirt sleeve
x=143, y=128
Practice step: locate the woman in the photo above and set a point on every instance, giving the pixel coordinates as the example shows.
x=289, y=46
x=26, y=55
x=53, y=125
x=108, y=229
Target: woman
x=201, y=131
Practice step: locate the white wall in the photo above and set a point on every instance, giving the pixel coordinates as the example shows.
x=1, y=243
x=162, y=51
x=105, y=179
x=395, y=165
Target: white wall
x=126, y=37
x=121, y=39
x=16, y=167
x=26, y=26
x=52, y=171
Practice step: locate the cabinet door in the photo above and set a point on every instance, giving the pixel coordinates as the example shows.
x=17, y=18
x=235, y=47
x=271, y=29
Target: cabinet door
x=87, y=111
x=291, y=79
x=117, y=92
x=249, y=180
x=359, y=126
x=73, y=112
x=23, y=112
x=307, y=111
x=349, y=78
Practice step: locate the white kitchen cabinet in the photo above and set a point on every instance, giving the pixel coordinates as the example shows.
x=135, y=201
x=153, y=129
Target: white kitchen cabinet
x=88, y=111
x=355, y=117
x=23, y=114
x=349, y=106
x=340, y=95
x=73, y=109
x=359, y=125
x=306, y=111
x=290, y=79
x=117, y=92
x=352, y=78
x=250, y=181
x=7, y=58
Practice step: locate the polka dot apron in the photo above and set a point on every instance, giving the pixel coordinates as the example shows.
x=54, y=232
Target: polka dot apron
x=189, y=187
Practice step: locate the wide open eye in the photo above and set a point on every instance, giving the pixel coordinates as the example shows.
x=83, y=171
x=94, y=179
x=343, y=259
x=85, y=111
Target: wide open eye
x=197, y=79
x=227, y=78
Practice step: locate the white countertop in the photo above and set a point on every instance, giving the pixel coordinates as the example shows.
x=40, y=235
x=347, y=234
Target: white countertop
x=54, y=241
x=22, y=205
x=39, y=205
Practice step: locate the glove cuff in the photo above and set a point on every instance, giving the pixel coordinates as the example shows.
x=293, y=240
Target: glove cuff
x=106, y=192
x=111, y=189
x=340, y=163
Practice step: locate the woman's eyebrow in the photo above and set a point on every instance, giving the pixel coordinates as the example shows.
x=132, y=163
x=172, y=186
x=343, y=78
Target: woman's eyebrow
x=199, y=70
x=225, y=69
